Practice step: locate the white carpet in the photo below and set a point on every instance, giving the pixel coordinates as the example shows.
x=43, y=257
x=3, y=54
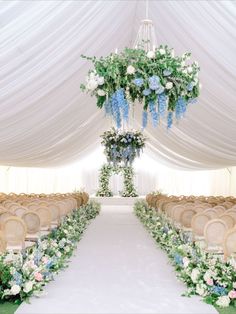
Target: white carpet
x=117, y=268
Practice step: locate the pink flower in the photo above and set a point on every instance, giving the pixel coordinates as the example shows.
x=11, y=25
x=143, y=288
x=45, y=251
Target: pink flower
x=44, y=259
x=209, y=282
x=38, y=276
x=232, y=294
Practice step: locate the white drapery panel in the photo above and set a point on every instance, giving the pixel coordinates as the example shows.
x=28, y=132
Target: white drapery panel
x=149, y=176
x=46, y=121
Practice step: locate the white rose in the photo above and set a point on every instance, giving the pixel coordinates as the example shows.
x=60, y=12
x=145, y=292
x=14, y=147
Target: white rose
x=28, y=286
x=169, y=85
x=100, y=80
x=162, y=51
x=186, y=262
x=200, y=289
x=223, y=301
x=130, y=69
x=101, y=92
x=15, y=289
x=151, y=54
x=190, y=69
x=195, y=274
x=92, y=84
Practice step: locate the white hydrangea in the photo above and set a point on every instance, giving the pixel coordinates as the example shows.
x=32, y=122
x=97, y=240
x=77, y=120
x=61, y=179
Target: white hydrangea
x=190, y=69
x=223, y=301
x=201, y=289
x=101, y=92
x=28, y=286
x=92, y=84
x=195, y=274
x=100, y=80
x=15, y=289
x=162, y=51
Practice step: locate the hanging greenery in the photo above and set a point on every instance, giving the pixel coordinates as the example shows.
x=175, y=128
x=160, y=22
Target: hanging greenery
x=122, y=147
x=163, y=83
x=104, y=178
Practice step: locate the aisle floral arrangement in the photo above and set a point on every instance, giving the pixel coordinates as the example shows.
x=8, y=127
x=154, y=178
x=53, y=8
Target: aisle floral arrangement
x=104, y=177
x=25, y=274
x=162, y=83
x=122, y=146
x=203, y=273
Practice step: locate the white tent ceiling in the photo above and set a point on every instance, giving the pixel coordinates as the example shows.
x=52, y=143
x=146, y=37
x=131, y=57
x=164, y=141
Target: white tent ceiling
x=45, y=120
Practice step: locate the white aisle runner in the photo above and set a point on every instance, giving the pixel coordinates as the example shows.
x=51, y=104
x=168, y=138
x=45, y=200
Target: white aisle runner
x=117, y=269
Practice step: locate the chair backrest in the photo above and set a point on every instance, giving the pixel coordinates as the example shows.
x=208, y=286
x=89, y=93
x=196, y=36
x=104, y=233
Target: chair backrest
x=186, y=217
x=228, y=219
x=55, y=211
x=32, y=221
x=229, y=244
x=231, y=213
x=212, y=213
x=19, y=210
x=14, y=230
x=33, y=206
x=220, y=209
x=4, y=215
x=3, y=243
x=45, y=216
x=198, y=223
x=63, y=208
x=176, y=212
x=214, y=232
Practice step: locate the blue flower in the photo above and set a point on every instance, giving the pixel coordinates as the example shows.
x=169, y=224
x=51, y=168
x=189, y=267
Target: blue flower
x=219, y=290
x=144, y=119
x=17, y=278
x=160, y=89
x=190, y=86
x=154, y=82
x=167, y=72
x=169, y=119
x=180, y=108
x=192, y=101
x=178, y=259
x=146, y=92
x=138, y=82
x=162, y=104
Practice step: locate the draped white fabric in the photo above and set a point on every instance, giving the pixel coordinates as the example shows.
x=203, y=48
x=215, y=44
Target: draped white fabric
x=45, y=119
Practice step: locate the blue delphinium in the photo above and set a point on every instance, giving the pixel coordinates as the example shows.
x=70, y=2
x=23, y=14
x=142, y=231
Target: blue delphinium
x=169, y=119
x=144, y=119
x=154, y=82
x=122, y=104
x=219, y=290
x=138, y=82
x=116, y=110
x=162, y=103
x=180, y=108
x=190, y=86
x=178, y=259
x=160, y=89
x=154, y=113
x=17, y=278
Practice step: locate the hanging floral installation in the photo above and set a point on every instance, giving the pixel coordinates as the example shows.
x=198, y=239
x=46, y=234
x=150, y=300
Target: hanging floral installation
x=164, y=84
x=122, y=146
x=128, y=177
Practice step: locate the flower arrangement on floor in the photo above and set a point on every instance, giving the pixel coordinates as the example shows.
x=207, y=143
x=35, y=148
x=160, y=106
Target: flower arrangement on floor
x=203, y=273
x=25, y=274
x=163, y=83
x=122, y=146
x=105, y=173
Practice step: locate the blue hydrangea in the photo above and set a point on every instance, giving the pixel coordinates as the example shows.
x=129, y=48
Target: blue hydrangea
x=138, y=82
x=190, y=86
x=146, y=92
x=178, y=259
x=160, y=90
x=144, y=119
x=167, y=72
x=219, y=290
x=154, y=82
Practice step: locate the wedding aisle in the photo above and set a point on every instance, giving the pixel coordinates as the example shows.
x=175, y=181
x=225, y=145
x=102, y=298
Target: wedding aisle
x=117, y=269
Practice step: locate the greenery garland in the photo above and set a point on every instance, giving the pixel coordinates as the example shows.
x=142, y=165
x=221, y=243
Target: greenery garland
x=203, y=273
x=104, y=177
x=163, y=83
x=25, y=274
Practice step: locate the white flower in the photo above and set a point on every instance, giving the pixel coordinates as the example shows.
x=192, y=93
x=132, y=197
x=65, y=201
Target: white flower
x=15, y=289
x=186, y=262
x=185, y=71
x=28, y=286
x=58, y=254
x=234, y=285
x=101, y=92
x=200, y=289
x=172, y=53
x=92, y=84
x=223, y=301
x=130, y=69
x=183, y=64
x=190, y=69
x=207, y=275
x=169, y=85
x=100, y=80
x=151, y=54
x=162, y=51
x=195, y=274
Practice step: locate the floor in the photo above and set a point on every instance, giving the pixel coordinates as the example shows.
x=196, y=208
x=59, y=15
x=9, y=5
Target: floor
x=117, y=268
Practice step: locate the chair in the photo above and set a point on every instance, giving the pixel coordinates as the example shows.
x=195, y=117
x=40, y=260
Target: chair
x=229, y=244
x=19, y=210
x=212, y=213
x=228, y=219
x=32, y=222
x=3, y=243
x=186, y=217
x=198, y=224
x=220, y=209
x=14, y=230
x=214, y=233
x=232, y=213
x=55, y=214
x=4, y=215
x=45, y=219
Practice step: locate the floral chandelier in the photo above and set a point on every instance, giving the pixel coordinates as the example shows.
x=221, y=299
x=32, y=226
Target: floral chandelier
x=162, y=83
